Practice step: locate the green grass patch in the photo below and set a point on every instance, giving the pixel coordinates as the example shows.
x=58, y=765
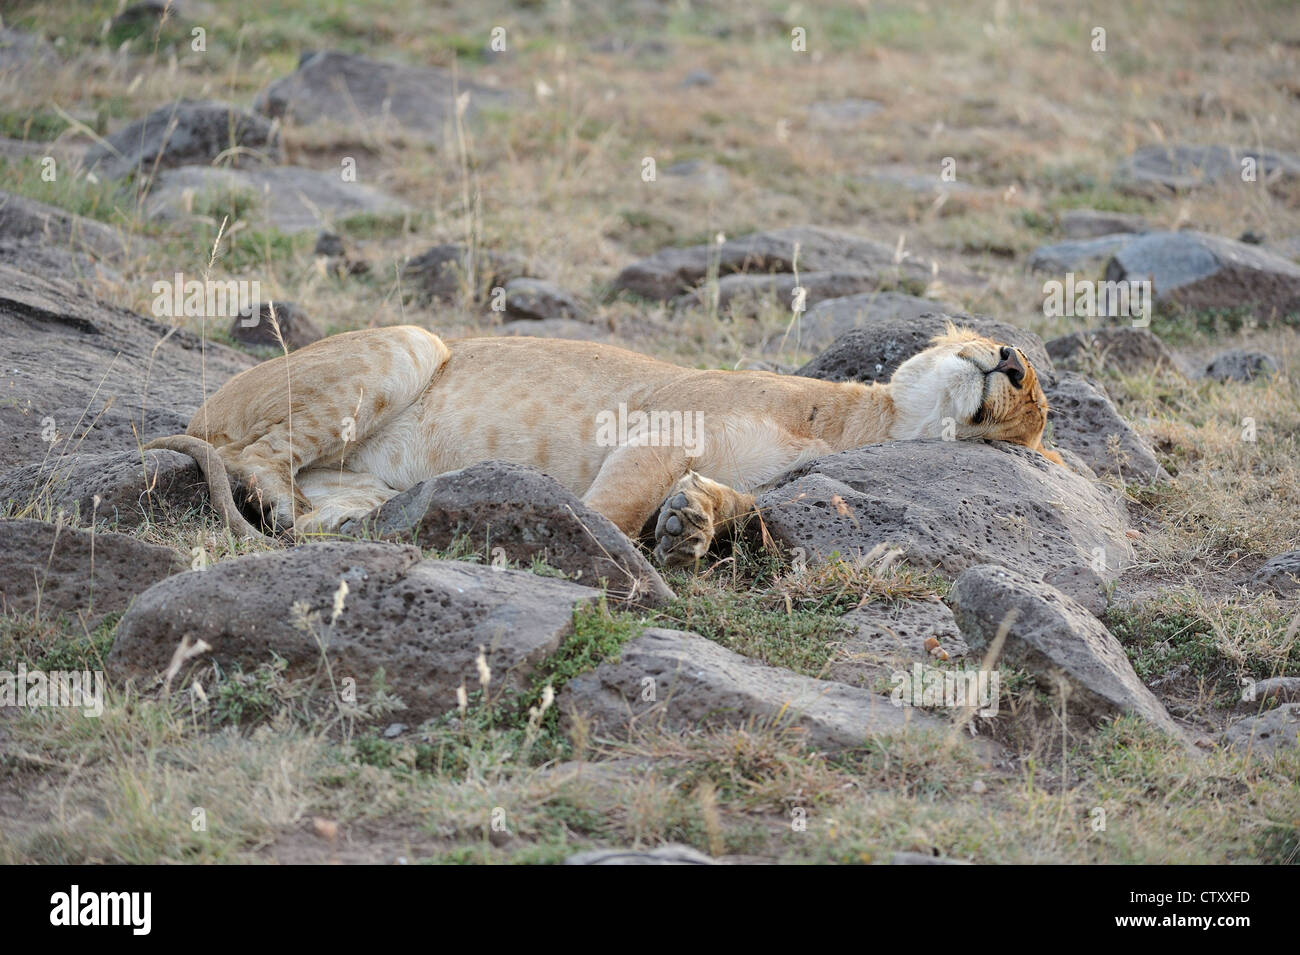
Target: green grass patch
x=1178, y=325
x=34, y=125
x=373, y=225
x=799, y=639
x=60, y=643
x=1218, y=644
x=104, y=201
x=500, y=729
x=231, y=203
x=598, y=635
x=143, y=33
x=252, y=249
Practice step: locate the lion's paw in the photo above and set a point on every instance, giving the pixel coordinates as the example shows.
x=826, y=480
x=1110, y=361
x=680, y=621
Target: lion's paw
x=686, y=523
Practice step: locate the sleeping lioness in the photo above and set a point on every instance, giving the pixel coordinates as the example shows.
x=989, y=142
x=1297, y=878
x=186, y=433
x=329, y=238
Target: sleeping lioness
x=331, y=431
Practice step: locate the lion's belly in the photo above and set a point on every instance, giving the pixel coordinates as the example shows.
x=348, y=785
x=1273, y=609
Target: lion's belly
x=747, y=451
x=568, y=443
x=419, y=445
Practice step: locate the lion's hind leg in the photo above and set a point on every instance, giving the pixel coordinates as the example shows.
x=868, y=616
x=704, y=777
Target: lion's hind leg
x=313, y=407
x=336, y=496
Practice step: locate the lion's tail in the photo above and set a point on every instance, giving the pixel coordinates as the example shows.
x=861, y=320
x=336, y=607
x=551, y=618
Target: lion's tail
x=214, y=470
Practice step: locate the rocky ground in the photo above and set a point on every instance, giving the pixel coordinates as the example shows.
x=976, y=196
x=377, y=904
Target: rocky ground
x=486, y=671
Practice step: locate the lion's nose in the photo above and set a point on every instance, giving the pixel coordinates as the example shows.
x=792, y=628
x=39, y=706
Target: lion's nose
x=1012, y=365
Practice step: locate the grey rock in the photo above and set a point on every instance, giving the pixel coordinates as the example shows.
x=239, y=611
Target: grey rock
x=19, y=50
x=330, y=245
x=527, y=514
x=65, y=570
x=902, y=627
x=394, y=730
x=976, y=503
x=887, y=634
x=91, y=277
x=132, y=487
x=1280, y=573
x=1199, y=271
x=697, y=78
x=671, y=854
x=375, y=98
x=287, y=198
x=421, y=622
x=44, y=240
x=1288, y=248
x=185, y=133
x=444, y=271
x=1057, y=641
x=1077, y=255
x=834, y=316
x=1083, y=585
x=1237, y=364
x=877, y=342
x=698, y=683
x=537, y=299
x=1178, y=168
x=79, y=375
x=25, y=221
x=1266, y=734
x=1129, y=350
x=1284, y=689
x=340, y=256
x=1094, y=223
x=744, y=293
x=295, y=327
x=673, y=271
x=1084, y=420
x=843, y=113
x=1075, y=463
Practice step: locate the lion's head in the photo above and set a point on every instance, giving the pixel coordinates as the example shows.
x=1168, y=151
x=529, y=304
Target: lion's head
x=970, y=387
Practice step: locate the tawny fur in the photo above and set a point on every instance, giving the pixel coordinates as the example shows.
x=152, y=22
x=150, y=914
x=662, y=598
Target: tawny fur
x=331, y=431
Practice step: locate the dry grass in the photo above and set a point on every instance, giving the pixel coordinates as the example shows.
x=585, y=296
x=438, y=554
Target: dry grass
x=1035, y=121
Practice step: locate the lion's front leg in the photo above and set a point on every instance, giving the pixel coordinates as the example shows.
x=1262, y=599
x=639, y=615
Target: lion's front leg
x=695, y=511
x=632, y=482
